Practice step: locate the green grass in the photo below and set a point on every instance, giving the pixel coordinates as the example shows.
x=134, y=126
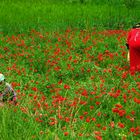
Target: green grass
x=18, y=17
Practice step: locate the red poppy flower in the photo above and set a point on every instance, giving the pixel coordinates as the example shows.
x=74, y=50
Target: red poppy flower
x=132, y=129
x=66, y=86
x=66, y=133
x=121, y=125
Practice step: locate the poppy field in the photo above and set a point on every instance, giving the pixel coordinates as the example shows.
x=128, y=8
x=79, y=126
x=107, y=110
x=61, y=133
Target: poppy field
x=67, y=62
x=74, y=84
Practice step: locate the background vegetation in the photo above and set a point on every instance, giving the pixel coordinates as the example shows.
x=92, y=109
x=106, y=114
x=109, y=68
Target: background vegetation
x=20, y=16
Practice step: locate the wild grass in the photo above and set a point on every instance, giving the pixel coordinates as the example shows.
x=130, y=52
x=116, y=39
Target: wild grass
x=21, y=16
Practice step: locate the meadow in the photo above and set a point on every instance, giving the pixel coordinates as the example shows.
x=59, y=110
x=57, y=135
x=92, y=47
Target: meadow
x=54, y=15
x=67, y=62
